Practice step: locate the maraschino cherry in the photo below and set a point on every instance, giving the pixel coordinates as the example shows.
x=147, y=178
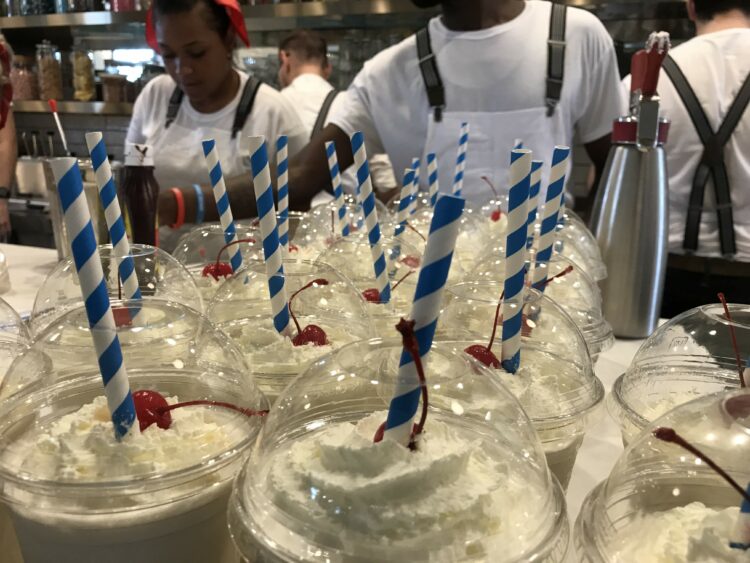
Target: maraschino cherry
x=409, y=340
x=496, y=213
x=735, y=346
x=222, y=269
x=311, y=334
x=152, y=408
x=372, y=295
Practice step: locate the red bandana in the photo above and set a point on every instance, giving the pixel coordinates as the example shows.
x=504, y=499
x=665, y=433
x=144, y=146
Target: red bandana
x=234, y=12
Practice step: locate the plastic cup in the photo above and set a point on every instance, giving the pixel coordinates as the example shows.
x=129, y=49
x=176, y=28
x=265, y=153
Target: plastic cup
x=160, y=276
x=555, y=383
x=14, y=337
x=575, y=242
x=242, y=309
x=646, y=510
x=319, y=488
x=123, y=503
x=685, y=358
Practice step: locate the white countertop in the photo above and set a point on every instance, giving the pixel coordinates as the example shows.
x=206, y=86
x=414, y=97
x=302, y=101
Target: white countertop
x=601, y=447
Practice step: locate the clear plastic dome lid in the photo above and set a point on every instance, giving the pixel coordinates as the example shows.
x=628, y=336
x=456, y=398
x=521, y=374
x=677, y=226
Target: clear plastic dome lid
x=575, y=241
x=321, y=214
x=152, y=333
x=689, y=356
x=662, y=503
x=160, y=276
x=476, y=488
x=59, y=454
x=242, y=308
x=14, y=337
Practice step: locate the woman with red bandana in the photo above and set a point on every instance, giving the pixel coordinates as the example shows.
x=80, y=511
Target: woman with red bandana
x=204, y=96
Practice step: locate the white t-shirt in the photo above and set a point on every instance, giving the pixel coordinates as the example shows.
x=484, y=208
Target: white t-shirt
x=715, y=65
x=499, y=69
x=178, y=150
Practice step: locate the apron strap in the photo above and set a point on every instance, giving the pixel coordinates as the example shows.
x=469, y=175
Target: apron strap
x=175, y=100
x=323, y=113
x=245, y=107
x=712, y=162
x=430, y=73
x=555, y=56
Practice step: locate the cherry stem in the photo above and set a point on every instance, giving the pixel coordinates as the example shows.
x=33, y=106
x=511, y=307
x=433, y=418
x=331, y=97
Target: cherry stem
x=492, y=187
x=565, y=272
x=494, y=323
x=319, y=281
x=333, y=222
x=409, y=340
x=670, y=435
x=740, y=368
x=248, y=412
x=238, y=241
x=395, y=285
x=119, y=286
x=411, y=227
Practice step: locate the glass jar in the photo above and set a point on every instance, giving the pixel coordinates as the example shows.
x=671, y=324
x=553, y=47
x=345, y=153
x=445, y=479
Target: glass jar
x=84, y=89
x=123, y=5
x=50, y=73
x=24, y=79
x=114, y=88
x=36, y=7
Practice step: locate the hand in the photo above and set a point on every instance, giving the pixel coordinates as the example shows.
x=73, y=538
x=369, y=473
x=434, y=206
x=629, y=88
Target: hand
x=5, y=227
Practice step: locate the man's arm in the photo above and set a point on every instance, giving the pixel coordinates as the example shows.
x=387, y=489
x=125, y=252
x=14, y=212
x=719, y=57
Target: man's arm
x=308, y=175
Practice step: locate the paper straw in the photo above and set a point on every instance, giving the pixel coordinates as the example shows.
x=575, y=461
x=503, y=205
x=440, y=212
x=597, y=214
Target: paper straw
x=94, y=291
x=222, y=202
x=432, y=177
x=415, y=163
x=740, y=538
x=367, y=199
x=463, y=142
x=533, y=203
x=517, y=144
x=404, y=202
x=269, y=231
x=113, y=215
x=282, y=171
x=515, y=257
x=560, y=158
x=338, y=190
x=425, y=311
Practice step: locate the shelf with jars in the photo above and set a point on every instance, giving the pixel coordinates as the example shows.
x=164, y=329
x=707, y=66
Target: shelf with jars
x=83, y=108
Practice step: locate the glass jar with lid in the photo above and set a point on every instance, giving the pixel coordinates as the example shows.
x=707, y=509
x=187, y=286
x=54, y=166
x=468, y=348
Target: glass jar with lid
x=24, y=79
x=84, y=89
x=50, y=73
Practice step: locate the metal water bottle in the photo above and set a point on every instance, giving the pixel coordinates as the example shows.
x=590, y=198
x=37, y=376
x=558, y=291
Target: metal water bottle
x=630, y=219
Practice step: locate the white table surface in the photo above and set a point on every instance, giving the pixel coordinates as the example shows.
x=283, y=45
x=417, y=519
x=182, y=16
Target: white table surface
x=601, y=447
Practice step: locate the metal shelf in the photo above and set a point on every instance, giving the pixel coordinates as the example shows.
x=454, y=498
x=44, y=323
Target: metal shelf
x=82, y=108
x=78, y=19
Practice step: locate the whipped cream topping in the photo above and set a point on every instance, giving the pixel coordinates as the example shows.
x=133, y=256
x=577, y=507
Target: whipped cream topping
x=688, y=534
x=81, y=446
x=367, y=493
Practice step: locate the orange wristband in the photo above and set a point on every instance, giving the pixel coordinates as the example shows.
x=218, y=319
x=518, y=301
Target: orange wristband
x=180, y=201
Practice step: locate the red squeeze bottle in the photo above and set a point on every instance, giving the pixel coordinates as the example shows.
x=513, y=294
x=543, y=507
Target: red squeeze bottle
x=141, y=193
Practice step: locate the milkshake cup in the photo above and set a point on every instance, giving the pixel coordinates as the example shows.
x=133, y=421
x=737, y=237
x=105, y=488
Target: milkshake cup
x=14, y=337
x=661, y=503
x=76, y=495
x=685, y=358
x=575, y=241
x=555, y=382
x=476, y=488
x=241, y=308
x=160, y=276
x=200, y=247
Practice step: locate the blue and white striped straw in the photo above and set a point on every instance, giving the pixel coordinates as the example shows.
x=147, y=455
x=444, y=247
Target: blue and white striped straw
x=404, y=203
x=338, y=190
x=517, y=144
x=740, y=538
x=94, y=291
x=463, y=143
x=432, y=177
x=425, y=310
x=222, y=202
x=415, y=164
x=560, y=158
x=113, y=215
x=367, y=199
x=536, y=182
x=272, y=251
x=282, y=171
x=515, y=258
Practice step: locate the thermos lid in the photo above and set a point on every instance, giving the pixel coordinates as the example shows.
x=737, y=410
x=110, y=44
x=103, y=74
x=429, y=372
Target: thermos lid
x=625, y=130
x=138, y=155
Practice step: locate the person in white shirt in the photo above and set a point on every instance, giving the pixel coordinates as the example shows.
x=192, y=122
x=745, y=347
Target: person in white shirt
x=709, y=244
x=204, y=96
x=499, y=72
